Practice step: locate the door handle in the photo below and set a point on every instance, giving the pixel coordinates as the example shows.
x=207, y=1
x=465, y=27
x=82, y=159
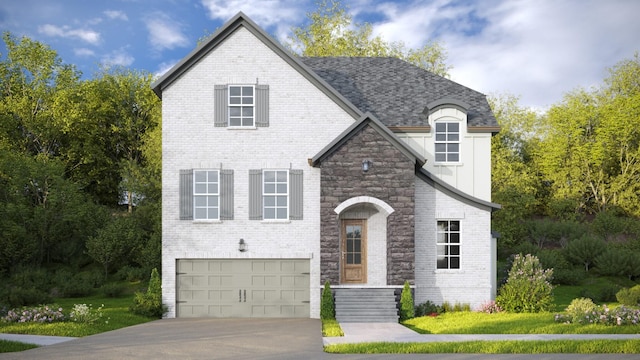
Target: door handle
x=239, y=295
x=245, y=295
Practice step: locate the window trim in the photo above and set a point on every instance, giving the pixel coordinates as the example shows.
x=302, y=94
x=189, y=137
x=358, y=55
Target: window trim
x=447, y=244
x=207, y=194
x=242, y=106
x=276, y=194
x=446, y=142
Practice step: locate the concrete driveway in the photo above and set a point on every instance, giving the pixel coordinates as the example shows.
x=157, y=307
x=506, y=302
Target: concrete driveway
x=232, y=339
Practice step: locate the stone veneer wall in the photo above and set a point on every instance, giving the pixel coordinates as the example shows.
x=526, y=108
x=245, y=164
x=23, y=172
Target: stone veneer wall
x=390, y=179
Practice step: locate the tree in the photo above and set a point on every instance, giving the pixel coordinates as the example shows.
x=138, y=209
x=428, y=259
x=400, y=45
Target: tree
x=407, y=309
x=113, y=242
x=585, y=250
x=327, y=307
x=332, y=32
x=515, y=183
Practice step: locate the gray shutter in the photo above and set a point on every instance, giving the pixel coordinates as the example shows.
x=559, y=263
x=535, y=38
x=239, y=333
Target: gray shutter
x=255, y=194
x=186, y=194
x=221, y=109
x=295, y=195
x=262, y=105
x=226, y=194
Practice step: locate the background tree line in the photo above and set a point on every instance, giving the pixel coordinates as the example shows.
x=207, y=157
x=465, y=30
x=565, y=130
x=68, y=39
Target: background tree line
x=80, y=165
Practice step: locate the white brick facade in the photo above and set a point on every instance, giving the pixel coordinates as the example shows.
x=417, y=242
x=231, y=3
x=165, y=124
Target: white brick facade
x=297, y=131
x=474, y=282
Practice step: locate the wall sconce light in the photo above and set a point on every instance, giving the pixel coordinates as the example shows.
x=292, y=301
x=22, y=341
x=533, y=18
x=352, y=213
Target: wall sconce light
x=242, y=246
x=366, y=164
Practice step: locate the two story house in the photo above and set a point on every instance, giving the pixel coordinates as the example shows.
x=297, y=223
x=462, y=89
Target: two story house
x=280, y=173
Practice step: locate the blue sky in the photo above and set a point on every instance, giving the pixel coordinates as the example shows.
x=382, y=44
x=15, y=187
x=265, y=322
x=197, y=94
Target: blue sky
x=537, y=49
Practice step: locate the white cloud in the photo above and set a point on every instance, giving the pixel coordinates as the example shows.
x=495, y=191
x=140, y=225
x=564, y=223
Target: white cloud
x=165, y=33
x=84, y=52
x=86, y=35
x=116, y=15
x=539, y=50
x=118, y=57
x=164, y=67
x=281, y=14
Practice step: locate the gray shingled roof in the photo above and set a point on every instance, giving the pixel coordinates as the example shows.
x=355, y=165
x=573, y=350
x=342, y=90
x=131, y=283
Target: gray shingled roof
x=395, y=91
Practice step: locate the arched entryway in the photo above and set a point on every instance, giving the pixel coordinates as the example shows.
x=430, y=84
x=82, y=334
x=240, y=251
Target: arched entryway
x=363, y=240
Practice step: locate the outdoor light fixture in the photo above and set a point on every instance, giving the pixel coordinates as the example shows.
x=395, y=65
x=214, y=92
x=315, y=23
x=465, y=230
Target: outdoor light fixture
x=242, y=246
x=366, y=164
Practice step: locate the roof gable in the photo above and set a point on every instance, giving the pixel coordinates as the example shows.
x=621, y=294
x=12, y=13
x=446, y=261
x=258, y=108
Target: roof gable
x=223, y=33
x=352, y=130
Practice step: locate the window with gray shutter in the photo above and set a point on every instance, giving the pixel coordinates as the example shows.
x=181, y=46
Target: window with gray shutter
x=295, y=193
x=262, y=105
x=186, y=194
x=221, y=110
x=255, y=194
x=226, y=194
x=241, y=114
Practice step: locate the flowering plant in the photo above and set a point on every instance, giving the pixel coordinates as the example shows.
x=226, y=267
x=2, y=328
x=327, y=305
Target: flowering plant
x=40, y=314
x=619, y=316
x=83, y=313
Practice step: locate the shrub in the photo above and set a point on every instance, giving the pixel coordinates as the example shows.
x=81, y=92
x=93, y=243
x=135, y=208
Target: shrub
x=427, y=308
x=406, y=303
x=327, y=307
x=579, y=310
x=150, y=303
x=112, y=290
x=568, y=276
x=40, y=314
x=77, y=287
x=131, y=273
x=583, y=251
x=528, y=288
x=25, y=297
x=490, y=307
x=629, y=297
x=83, y=313
x=619, y=316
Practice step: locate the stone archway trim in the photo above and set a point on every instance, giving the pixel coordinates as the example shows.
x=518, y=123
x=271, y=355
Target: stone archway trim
x=364, y=199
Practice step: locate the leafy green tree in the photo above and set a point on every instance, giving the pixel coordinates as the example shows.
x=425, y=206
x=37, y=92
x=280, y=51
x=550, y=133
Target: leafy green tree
x=528, y=288
x=113, y=242
x=585, y=250
x=149, y=303
x=515, y=183
x=332, y=32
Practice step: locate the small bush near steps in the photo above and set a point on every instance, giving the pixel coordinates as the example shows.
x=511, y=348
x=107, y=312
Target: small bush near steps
x=327, y=306
x=407, y=310
x=150, y=303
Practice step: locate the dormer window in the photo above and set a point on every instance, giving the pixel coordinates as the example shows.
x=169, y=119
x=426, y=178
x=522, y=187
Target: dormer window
x=447, y=143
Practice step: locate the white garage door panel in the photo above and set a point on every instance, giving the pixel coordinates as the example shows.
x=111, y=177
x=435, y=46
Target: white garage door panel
x=243, y=288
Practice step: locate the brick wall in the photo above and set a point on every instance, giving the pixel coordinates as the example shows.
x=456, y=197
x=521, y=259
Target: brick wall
x=390, y=179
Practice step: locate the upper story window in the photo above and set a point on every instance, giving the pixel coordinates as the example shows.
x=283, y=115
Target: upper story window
x=448, y=244
x=206, y=194
x=447, y=142
x=241, y=104
x=276, y=194
x=206, y=191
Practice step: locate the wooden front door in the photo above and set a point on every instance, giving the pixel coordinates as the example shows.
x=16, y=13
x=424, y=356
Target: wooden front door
x=354, y=251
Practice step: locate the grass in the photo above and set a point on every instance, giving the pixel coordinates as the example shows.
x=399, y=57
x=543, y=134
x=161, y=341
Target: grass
x=13, y=346
x=116, y=315
x=493, y=347
x=331, y=328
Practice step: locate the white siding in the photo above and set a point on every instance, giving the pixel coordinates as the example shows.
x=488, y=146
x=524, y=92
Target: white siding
x=472, y=174
x=472, y=283
x=302, y=121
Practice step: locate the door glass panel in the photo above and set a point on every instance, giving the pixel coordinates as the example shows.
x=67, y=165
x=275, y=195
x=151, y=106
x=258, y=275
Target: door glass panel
x=354, y=244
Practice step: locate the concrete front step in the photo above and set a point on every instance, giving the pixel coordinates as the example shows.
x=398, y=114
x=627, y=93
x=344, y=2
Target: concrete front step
x=365, y=305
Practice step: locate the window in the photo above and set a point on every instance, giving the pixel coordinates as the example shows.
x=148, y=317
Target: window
x=276, y=194
x=241, y=106
x=447, y=142
x=206, y=194
x=448, y=245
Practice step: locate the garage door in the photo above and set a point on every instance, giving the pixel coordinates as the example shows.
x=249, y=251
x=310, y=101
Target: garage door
x=242, y=288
